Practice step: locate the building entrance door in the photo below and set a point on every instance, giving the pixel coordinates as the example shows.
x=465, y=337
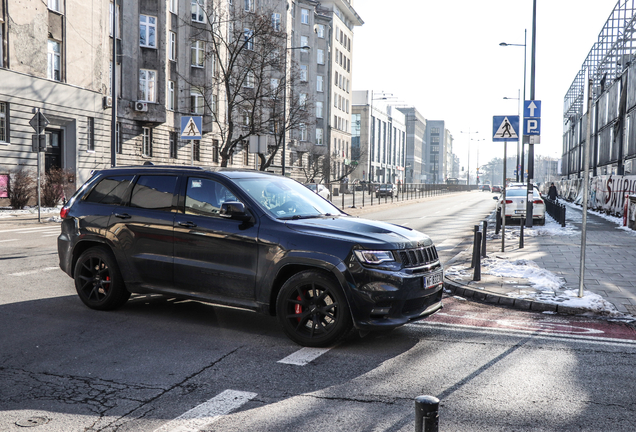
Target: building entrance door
x=53, y=155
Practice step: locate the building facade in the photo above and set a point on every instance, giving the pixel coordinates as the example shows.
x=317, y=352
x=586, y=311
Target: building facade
x=381, y=130
x=415, y=145
x=57, y=57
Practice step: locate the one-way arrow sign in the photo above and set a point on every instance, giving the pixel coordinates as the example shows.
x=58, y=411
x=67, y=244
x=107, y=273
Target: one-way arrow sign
x=532, y=108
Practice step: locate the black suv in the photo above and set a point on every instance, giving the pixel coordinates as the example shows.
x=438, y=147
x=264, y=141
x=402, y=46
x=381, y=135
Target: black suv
x=248, y=239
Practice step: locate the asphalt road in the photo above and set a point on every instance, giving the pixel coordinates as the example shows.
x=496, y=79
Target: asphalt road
x=163, y=365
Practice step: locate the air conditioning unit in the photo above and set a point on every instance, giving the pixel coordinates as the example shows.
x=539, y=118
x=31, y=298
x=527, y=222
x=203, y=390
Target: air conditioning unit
x=108, y=101
x=141, y=106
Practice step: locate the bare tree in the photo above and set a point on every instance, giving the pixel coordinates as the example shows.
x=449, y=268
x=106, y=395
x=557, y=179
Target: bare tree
x=249, y=92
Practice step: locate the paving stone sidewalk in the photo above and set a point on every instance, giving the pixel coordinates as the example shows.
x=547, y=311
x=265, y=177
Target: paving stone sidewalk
x=610, y=268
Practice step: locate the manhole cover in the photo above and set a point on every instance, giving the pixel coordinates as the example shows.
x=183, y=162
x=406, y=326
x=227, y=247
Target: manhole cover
x=32, y=422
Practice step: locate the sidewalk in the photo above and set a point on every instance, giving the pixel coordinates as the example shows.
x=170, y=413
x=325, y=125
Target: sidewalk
x=544, y=275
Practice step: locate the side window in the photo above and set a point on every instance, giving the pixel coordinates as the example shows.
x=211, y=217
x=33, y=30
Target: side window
x=154, y=192
x=110, y=190
x=205, y=196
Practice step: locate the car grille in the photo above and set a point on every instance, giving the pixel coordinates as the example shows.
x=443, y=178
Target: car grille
x=418, y=257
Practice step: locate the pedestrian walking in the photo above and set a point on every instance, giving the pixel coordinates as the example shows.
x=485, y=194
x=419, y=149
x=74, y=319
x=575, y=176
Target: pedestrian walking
x=552, y=192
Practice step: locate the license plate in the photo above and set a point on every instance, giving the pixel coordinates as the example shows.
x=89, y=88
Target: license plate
x=433, y=280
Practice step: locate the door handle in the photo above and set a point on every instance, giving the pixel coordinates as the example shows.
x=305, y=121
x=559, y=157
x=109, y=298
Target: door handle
x=187, y=224
x=122, y=215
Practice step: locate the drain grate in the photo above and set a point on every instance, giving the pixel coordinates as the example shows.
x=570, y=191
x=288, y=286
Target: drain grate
x=32, y=422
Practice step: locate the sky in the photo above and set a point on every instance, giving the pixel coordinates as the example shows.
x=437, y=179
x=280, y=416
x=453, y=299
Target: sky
x=444, y=58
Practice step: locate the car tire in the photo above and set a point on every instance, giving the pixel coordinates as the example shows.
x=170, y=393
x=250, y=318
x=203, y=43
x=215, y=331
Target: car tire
x=313, y=309
x=98, y=281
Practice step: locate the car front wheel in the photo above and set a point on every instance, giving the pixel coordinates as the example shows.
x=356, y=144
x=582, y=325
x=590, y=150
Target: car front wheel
x=98, y=281
x=313, y=310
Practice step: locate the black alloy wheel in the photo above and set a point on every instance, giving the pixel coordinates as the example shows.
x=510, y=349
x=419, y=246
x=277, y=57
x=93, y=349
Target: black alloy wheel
x=313, y=309
x=98, y=281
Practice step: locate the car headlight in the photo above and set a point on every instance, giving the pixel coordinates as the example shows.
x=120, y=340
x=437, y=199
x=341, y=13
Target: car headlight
x=374, y=257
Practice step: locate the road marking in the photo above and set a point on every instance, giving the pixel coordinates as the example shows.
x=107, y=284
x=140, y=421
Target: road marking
x=304, y=356
x=208, y=412
x=449, y=242
x=30, y=272
x=51, y=235
x=25, y=230
x=547, y=336
x=2, y=241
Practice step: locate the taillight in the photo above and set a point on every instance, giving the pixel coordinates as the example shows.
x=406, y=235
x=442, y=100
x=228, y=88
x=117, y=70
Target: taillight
x=508, y=201
x=537, y=201
x=64, y=212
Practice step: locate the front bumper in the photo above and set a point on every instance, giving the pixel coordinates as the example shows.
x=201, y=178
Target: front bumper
x=385, y=299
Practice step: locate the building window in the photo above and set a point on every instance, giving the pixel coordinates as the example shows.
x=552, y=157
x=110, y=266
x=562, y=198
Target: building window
x=174, y=6
x=147, y=31
x=249, y=80
x=147, y=85
x=172, y=48
x=304, y=16
x=276, y=21
x=197, y=52
x=319, y=80
x=173, y=138
x=249, y=5
x=318, y=109
x=55, y=5
x=302, y=100
x=54, y=61
x=319, y=137
x=110, y=22
x=4, y=123
x=197, y=104
x=171, y=96
x=215, y=151
x=303, y=73
x=320, y=56
x=304, y=42
x=303, y=132
x=215, y=106
x=90, y=134
x=146, y=143
x=196, y=150
x=248, y=38
x=320, y=31
x=197, y=8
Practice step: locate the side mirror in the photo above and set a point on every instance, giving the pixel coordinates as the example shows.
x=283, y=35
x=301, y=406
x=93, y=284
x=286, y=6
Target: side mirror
x=495, y=198
x=234, y=210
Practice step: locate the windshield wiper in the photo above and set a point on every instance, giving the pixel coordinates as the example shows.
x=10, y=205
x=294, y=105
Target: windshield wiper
x=296, y=217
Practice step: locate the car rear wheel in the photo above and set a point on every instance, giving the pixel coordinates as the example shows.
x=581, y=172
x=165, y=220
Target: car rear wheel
x=313, y=310
x=98, y=281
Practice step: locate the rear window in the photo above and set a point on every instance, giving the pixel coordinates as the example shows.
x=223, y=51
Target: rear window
x=110, y=190
x=154, y=192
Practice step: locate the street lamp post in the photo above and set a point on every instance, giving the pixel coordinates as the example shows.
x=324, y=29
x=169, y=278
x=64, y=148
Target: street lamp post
x=518, y=167
x=468, y=164
x=285, y=105
x=524, y=45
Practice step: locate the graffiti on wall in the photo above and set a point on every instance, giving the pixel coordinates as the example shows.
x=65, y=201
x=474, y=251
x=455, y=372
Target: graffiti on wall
x=606, y=193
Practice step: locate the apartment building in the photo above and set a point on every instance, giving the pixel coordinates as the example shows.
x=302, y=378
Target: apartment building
x=415, y=145
x=439, y=152
x=57, y=56
x=380, y=130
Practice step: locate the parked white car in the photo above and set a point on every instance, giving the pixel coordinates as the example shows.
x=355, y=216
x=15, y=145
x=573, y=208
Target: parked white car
x=516, y=205
x=320, y=189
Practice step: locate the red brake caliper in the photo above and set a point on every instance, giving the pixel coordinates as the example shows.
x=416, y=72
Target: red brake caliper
x=298, y=309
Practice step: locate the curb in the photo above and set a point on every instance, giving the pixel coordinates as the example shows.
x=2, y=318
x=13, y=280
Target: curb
x=488, y=297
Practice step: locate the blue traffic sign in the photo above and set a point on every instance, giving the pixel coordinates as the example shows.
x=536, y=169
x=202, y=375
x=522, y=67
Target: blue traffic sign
x=532, y=108
x=505, y=128
x=191, y=127
x=532, y=126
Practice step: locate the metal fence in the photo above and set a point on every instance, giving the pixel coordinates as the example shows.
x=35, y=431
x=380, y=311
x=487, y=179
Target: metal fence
x=345, y=195
x=556, y=210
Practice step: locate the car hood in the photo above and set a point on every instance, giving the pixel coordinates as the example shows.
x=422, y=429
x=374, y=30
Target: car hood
x=367, y=233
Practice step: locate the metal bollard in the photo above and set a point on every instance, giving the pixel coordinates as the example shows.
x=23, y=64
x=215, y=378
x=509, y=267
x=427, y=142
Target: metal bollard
x=497, y=223
x=477, y=272
x=521, y=234
x=354, y=197
x=426, y=414
x=483, y=239
x=476, y=248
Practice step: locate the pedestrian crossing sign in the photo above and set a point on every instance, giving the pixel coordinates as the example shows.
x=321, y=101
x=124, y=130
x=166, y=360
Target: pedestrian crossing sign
x=505, y=128
x=191, y=127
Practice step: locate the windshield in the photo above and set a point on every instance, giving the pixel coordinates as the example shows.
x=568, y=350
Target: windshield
x=284, y=198
x=519, y=192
